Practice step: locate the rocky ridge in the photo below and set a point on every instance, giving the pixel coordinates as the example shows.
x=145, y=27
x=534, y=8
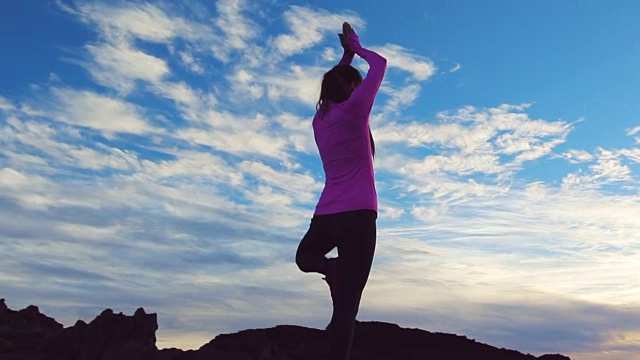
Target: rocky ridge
x=28, y=334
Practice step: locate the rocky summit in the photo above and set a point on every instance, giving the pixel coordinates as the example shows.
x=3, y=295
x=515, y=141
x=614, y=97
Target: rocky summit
x=29, y=335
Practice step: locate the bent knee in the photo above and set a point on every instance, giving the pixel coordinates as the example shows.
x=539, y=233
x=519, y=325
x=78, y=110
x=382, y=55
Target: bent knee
x=303, y=261
x=300, y=261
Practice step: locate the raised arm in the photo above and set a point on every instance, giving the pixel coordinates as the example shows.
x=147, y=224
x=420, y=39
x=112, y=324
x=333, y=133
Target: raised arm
x=363, y=96
x=347, y=57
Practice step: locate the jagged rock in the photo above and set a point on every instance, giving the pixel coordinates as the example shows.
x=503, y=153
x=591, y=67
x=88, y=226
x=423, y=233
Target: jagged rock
x=22, y=331
x=108, y=337
x=29, y=335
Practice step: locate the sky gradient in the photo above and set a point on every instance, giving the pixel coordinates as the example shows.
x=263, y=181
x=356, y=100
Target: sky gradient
x=160, y=154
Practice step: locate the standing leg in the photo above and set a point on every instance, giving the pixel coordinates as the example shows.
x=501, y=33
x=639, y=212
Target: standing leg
x=356, y=247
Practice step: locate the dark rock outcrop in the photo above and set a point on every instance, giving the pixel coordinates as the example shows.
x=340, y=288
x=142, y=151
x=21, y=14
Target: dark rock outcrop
x=108, y=337
x=372, y=341
x=29, y=335
x=22, y=331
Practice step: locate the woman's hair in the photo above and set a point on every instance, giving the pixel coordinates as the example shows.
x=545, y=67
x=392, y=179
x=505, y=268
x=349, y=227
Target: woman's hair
x=337, y=85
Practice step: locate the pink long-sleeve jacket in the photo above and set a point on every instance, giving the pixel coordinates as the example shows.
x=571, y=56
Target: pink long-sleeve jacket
x=342, y=137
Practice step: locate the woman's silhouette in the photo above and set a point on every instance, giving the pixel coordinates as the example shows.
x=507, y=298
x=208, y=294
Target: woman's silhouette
x=345, y=216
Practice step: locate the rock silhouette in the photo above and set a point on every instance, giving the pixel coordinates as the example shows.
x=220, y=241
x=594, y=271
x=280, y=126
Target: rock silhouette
x=29, y=335
x=22, y=331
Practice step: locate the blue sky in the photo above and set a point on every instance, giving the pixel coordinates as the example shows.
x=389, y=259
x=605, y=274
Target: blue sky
x=160, y=155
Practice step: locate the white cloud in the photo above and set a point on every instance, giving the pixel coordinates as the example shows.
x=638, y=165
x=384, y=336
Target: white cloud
x=390, y=212
x=12, y=178
x=401, y=58
x=180, y=92
x=535, y=149
x=446, y=135
x=5, y=104
x=577, y=156
x=100, y=112
x=31, y=191
x=194, y=166
x=607, y=170
x=236, y=134
x=632, y=154
x=446, y=191
x=299, y=132
x=309, y=26
x=239, y=142
x=301, y=187
x=633, y=131
x=266, y=196
x=424, y=213
x=237, y=28
x=53, y=77
x=234, y=34
x=42, y=142
x=191, y=62
x=609, y=166
x=455, y=68
x=144, y=21
x=572, y=180
x=574, y=232
x=330, y=54
x=88, y=232
x=400, y=98
x=119, y=66
x=295, y=123
x=455, y=163
x=298, y=83
x=244, y=83
x=473, y=140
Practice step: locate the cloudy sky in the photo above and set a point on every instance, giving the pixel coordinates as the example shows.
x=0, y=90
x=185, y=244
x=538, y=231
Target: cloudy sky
x=160, y=154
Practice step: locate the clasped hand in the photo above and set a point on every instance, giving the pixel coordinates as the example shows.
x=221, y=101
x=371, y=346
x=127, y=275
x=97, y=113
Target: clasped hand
x=344, y=40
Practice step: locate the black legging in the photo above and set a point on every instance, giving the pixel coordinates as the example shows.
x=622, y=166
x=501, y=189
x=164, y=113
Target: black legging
x=354, y=234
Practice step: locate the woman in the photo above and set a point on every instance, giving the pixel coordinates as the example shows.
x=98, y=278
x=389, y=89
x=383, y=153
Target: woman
x=345, y=216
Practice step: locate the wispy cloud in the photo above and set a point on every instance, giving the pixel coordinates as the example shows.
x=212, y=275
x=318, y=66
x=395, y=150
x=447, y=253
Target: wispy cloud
x=401, y=58
x=634, y=131
x=238, y=29
x=138, y=20
x=296, y=82
x=632, y=154
x=5, y=104
x=119, y=66
x=607, y=169
x=489, y=141
x=577, y=156
x=90, y=109
x=62, y=146
x=400, y=98
x=310, y=26
x=191, y=62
